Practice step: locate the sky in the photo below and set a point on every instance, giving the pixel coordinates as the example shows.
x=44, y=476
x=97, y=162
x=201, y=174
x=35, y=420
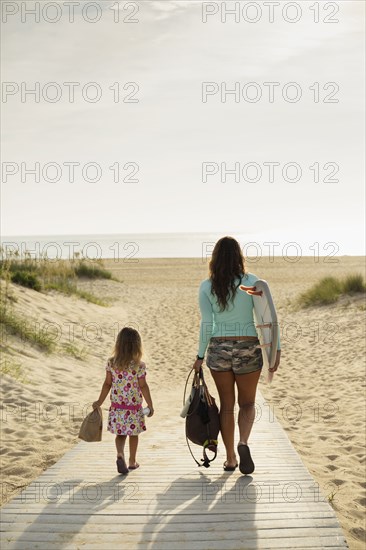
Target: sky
x=164, y=137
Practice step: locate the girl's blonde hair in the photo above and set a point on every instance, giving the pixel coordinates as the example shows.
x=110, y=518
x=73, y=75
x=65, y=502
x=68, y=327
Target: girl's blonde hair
x=128, y=347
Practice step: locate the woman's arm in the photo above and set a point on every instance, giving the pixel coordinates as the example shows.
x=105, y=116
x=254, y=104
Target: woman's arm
x=277, y=362
x=206, y=324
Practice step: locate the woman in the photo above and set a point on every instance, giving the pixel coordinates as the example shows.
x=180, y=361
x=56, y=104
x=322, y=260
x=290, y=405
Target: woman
x=228, y=333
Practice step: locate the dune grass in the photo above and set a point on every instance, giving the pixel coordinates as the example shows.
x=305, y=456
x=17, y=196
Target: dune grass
x=74, y=351
x=25, y=329
x=82, y=269
x=27, y=279
x=14, y=369
x=42, y=274
x=90, y=297
x=354, y=283
x=69, y=289
x=329, y=289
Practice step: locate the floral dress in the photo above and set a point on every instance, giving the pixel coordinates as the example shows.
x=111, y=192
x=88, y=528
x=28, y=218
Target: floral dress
x=125, y=413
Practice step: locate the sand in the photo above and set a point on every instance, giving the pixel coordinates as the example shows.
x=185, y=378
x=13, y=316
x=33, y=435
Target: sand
x=318, y=394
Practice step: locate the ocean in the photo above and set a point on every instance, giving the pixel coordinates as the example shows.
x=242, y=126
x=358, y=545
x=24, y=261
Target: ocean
x=129, y=247
x=134, y=246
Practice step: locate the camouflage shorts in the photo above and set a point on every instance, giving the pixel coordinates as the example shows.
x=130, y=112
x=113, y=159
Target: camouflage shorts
x=240, y=356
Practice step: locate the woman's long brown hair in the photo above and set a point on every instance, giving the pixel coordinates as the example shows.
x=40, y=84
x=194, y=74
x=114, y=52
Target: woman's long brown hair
x=227, y=264
x=128, y=347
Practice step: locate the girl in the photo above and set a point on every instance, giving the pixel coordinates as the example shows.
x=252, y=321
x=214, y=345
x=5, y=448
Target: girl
x=126, y=381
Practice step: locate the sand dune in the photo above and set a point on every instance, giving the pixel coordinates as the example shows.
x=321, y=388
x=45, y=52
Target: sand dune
x=317, y=395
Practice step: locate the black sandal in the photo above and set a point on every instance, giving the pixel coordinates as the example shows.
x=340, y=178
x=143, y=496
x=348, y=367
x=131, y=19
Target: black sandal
x=246, y=465
x=229, y=468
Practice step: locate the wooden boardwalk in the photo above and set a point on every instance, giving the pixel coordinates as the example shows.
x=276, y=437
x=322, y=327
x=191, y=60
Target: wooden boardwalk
x=169, y=503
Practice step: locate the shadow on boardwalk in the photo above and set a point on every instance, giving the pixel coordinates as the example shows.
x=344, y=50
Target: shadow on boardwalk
x=126, y=513
x=199, y=523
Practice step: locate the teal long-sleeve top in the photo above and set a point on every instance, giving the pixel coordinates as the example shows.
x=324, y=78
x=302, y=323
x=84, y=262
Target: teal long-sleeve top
x=237, y=318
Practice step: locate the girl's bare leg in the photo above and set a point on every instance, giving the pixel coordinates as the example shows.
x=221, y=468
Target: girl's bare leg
x=120, y=445
x=134, y=440
x=225, y=386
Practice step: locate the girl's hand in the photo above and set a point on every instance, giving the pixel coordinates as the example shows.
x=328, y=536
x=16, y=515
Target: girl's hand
x=197, y=364
x=96, y=405
x=151, y=411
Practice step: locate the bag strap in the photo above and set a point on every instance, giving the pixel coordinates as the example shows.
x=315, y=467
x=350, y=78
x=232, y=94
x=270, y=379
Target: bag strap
x=205, y=388
x=206, y=461
x=190, y=450
x=193, y=383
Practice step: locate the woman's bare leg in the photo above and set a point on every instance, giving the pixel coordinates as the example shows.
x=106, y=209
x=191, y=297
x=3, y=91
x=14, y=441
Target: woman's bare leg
x=225, y=384
x=247, y=387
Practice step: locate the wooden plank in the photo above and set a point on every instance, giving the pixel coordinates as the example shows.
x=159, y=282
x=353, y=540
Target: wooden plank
x=135, y=492
x=172, y=527
x=173, y=518
x=188, y=510
x=187, y=535
x=243, y=544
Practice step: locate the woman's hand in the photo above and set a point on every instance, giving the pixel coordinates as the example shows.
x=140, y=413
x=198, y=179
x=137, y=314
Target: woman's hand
x=151, y=411
x=96, y=404
x=277, y=362
x=197, y=364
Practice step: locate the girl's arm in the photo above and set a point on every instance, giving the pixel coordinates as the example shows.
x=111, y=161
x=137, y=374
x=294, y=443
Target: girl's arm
x=106, y=388
x=146, y=393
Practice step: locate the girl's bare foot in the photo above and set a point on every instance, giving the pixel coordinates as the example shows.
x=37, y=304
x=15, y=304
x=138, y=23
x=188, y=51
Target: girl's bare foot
x=121, y=465
x=133, y=466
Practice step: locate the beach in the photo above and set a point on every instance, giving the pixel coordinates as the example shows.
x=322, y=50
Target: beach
x=318, y=393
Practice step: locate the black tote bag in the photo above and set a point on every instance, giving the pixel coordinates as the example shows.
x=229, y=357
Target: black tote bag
x=202, y=420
